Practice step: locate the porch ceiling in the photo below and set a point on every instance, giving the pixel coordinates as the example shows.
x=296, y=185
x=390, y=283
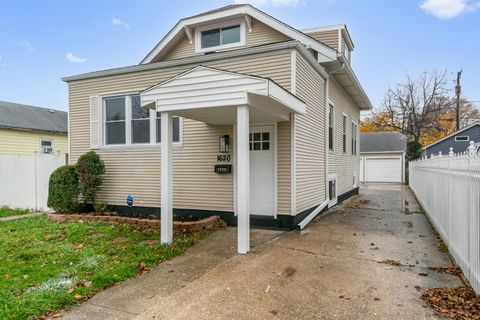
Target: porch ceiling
x=210, y=95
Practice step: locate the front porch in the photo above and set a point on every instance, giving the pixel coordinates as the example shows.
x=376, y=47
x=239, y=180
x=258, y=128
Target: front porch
x=253, y=106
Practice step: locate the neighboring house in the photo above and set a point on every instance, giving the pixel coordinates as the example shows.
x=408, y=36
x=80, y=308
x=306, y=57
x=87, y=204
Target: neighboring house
x=27, y=129
x=258, y=122
x=382, y=156
x=459, y=141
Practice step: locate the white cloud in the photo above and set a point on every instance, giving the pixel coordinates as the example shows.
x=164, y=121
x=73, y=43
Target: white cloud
x=276, y=3
x=447, y=9
x=118, y=22
x=74, y=59
x=27, y=45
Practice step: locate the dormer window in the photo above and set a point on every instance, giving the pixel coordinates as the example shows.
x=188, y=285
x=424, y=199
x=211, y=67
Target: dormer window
x=220, y=36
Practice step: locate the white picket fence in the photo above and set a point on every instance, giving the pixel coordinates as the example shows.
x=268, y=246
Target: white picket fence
x=24, y=180
x=448, y=188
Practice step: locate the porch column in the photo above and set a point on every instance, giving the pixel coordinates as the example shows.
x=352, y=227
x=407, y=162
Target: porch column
x=243, y=179
x=166, y=221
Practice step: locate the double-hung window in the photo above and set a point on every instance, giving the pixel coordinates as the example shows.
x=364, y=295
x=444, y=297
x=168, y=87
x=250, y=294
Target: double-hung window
x=344, y=133
x=126, y=123
x=354, y=138
x=330, y=127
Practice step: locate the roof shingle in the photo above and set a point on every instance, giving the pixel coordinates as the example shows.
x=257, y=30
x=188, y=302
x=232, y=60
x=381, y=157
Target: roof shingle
x=383, y=142
x=24, y=117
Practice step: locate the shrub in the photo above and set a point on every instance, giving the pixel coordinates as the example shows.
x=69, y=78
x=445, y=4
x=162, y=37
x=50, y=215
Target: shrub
x=63, y=189
x=102, y=207
x=90, y=169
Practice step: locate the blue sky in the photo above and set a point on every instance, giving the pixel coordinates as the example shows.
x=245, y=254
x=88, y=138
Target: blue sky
x=42, y=41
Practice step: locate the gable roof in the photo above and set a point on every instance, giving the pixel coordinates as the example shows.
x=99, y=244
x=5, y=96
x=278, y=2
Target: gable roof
x=239, y=10
x=386, y=141
x=452, y=134
x=25, y=117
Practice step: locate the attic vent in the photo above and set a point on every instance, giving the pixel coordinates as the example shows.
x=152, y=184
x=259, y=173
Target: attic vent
x=51, y=111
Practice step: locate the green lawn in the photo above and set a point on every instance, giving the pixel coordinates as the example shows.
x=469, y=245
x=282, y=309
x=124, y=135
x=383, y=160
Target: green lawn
x=8, y=212
x=46, y=265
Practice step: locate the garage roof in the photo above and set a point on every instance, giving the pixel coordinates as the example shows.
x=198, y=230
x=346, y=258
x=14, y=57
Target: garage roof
x=390, y=141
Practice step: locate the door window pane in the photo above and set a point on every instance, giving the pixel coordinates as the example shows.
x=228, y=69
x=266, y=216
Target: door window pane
x=231, y=34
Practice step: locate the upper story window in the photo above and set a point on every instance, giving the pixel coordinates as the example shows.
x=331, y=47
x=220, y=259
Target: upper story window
x=126, y=122
x=462, y=138
x=344, y=133
x=220, y=36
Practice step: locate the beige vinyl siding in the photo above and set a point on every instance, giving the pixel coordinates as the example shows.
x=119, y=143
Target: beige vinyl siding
x=17, y=142
x=343, y=164
x=261, y=34
x=330, y=38
x=284, y=158
x=136, y=170
x=310, y=138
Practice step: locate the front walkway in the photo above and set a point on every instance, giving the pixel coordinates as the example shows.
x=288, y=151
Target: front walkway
x=331, y=270
x=33, y=214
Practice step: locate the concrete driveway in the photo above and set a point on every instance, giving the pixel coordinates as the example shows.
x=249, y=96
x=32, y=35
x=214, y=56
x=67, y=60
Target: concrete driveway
x=331, y=270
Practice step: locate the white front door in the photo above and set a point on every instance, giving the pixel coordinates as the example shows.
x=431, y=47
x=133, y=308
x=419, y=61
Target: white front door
x=262, y=170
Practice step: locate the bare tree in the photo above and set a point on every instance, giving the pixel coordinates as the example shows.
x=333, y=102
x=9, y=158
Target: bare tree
x=415, y=106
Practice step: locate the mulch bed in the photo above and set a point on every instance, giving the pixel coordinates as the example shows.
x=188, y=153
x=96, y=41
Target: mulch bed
x=178, y=226
x=461, y=303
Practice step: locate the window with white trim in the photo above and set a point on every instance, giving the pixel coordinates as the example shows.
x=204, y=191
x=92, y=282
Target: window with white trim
x=220, y=36
x=462, y=138
x=344, y=133
x=354, y=138
x=330, y=127
x=126, y=122
x=47, y=146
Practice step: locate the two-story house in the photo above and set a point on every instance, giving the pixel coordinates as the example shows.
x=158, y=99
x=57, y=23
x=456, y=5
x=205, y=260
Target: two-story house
x=232, y=113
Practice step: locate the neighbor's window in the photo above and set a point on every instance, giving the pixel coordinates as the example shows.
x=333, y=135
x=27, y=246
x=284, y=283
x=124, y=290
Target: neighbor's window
x=462, y=138
x=344, y=134
x=115, y=120
x=219, y=37
x=142, y=124
x=330, y=128
x=175, y=125
x=354, y=139
x=46, y=146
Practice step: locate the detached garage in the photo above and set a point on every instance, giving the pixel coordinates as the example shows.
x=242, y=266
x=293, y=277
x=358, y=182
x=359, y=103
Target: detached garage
x=382, y=157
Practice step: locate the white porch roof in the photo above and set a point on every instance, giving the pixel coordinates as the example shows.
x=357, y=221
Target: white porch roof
x=208, y=95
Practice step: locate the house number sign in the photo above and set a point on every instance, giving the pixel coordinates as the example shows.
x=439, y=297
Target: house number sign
x=223, y=158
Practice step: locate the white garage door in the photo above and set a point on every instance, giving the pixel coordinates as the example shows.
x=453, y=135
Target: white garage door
x=383, y=169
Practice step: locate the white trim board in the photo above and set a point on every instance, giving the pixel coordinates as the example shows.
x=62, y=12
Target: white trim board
x=327, y=53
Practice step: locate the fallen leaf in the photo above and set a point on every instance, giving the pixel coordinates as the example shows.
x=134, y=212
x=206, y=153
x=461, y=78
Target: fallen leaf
x=25, y=277
x=70, y=290
x=7, y=277
x=87, y=284
x=77, y=296
x=78, y=246
x=376, y=299
x=171, y=270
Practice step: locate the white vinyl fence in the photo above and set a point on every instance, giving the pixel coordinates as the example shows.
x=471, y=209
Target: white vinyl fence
x=24, y=179
x=448, y=188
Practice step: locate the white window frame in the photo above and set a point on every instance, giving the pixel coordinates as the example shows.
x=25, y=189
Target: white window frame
x=354, y=133
x=457, y=140
x=331, y=114
x=46, y=139
x=332, y=177
x=225, y=24
x=128, y=125
x=344, y=132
